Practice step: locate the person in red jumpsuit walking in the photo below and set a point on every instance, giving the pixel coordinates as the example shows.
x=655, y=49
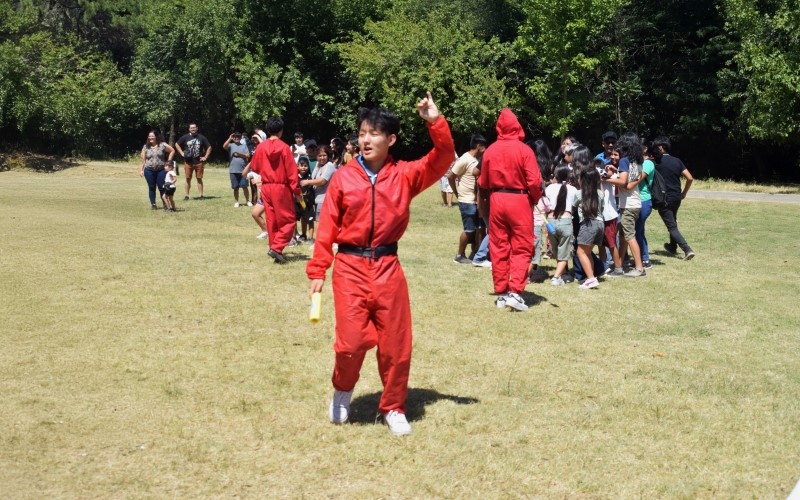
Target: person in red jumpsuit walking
x=273, y=161
x=510, y=178
x=366, y=212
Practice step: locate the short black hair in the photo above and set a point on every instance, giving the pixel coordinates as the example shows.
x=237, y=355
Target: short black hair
x=610, y=136
x=663, y=141
x=380, y=118
x=477, y=140
x=298, y=134
x=274, y=125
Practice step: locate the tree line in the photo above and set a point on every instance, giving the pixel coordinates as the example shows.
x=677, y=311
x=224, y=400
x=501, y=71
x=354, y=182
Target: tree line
x=721, y=78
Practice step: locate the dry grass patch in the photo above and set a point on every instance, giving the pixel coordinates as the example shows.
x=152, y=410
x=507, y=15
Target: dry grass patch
x=148, y=354
x=713, y=184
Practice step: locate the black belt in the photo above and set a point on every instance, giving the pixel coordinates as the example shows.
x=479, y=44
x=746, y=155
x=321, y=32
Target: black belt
x=369, y=252
x=512, y=191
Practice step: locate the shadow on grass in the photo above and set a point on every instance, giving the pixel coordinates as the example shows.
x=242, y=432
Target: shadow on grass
x=364, y=409
x=295, y=257
x=38, y=163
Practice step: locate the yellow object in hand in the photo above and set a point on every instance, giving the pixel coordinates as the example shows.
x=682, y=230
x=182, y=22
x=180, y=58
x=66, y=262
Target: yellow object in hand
x=302, y=203
x=316, y=304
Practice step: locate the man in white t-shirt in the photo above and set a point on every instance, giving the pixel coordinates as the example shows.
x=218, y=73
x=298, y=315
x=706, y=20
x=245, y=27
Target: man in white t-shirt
x=462, y=178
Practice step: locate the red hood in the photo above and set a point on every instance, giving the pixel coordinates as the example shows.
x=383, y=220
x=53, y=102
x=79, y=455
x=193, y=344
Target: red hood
x=508, y=127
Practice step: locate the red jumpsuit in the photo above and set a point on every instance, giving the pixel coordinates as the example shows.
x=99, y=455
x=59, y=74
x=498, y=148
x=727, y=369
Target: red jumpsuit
x=371, y=294
x=511, y=175
x=273, y=161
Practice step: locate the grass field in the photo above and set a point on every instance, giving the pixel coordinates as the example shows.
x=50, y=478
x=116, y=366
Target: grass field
x=147, y=354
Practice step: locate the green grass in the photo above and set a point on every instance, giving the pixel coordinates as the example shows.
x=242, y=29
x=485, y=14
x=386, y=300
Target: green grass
x=713, y=184
x=147, y=354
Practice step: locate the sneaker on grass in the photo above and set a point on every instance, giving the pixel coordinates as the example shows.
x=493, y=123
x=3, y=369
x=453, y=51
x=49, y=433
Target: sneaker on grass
x=398, y=425
x=483, y=263
x=568, y=278
x=339, y=410
x=249, y=203
x=671, y=249
x=689, y=255
x=647, y=264
x=557, y=281
x=460, y=259
x=614, y=272
x=635, y=273
x=589, y=283
x=262, y=236
x=279, y=257
x=500, y=302
x=514, y=301
x=236, y=205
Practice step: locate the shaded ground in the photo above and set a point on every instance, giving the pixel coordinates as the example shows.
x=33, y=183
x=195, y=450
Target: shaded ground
x=37, y=163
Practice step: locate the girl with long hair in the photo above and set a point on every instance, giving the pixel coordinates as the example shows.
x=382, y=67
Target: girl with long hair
x=589, y=202
x=561, y=196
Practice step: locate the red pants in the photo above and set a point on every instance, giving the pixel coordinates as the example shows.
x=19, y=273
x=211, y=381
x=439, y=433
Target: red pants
x=372, y=309
x=510, y=240
x=279, y=213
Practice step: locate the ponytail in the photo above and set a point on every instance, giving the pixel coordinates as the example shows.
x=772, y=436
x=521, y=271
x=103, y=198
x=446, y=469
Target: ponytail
x=563, y=173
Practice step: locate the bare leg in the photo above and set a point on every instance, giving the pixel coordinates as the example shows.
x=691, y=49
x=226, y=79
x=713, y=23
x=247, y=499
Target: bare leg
x=584, y=257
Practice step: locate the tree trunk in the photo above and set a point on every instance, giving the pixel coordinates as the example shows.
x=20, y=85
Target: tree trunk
x=172, y=131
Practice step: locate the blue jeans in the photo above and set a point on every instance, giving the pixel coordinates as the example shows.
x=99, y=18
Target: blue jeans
x=641, y=239
x=483, y=251
x=154, y=179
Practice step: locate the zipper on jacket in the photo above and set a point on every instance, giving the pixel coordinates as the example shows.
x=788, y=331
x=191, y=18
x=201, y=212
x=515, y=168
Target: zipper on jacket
x=372, y=223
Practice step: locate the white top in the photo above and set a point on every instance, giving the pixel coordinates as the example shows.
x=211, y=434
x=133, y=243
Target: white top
x=551, y=192
x=171, y=178
x=610, y=211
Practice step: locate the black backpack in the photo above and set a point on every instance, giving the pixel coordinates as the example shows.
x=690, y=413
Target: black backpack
x=658, y=190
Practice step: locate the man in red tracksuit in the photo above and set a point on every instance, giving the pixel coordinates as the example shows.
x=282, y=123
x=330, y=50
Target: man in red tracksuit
x=511, y=180
x=273, y=161
x=366, y=211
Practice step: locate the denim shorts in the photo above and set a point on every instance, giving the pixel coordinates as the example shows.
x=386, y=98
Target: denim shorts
x=237, y=181
x=469, y=217
x=591, y=232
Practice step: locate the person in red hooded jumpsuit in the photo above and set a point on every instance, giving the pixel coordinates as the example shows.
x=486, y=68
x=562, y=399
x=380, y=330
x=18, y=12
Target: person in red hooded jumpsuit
x=366, y=212
x=511, y=180
x=273, y=161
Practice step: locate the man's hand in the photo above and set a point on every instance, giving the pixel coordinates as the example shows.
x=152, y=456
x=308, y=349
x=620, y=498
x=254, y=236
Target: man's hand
x=314, y=287
x=427, y=109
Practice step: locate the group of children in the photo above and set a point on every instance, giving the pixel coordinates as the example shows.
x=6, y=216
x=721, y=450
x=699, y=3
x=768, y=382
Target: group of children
x=598, y=201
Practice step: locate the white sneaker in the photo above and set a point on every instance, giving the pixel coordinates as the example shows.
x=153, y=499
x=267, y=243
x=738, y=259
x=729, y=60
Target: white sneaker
x=262, y=236
x=483, y=263
x=501, y=302
x=398, y=425
x=339, y=411
x=249, y=203
x=514, y=301
x=236, y=205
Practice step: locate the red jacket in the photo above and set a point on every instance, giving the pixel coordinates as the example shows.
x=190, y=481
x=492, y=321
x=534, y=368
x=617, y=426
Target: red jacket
x=273, y=161
x=509, y=163
x=357, y=213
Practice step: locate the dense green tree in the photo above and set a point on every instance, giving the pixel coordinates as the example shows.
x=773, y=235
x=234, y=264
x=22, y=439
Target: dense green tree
x=763, y=77
x=558, y=42
x=398, y=59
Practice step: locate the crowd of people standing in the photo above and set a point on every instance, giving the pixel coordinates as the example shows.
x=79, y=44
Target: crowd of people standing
x=601, y=201
x=568, y=219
